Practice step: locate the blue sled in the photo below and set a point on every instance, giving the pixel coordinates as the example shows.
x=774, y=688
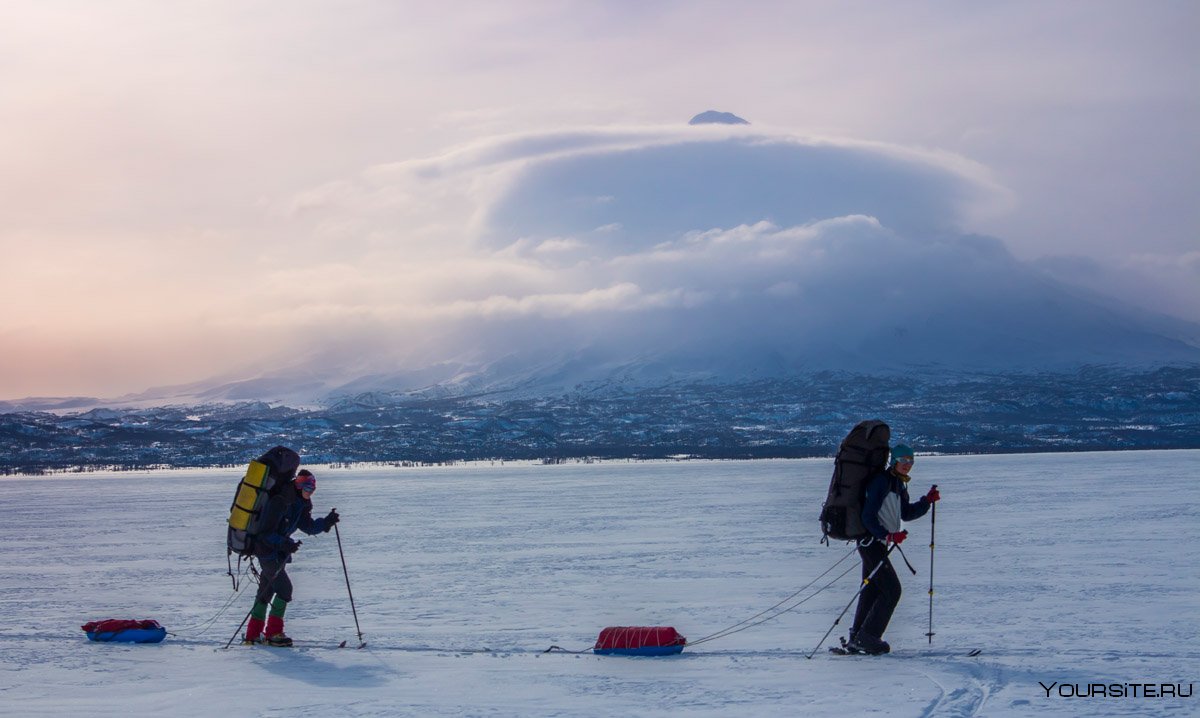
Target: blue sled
x=129, y=635
x=643, y=651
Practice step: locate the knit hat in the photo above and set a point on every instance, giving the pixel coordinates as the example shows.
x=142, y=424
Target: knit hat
x=305, y=481
x=901, y=451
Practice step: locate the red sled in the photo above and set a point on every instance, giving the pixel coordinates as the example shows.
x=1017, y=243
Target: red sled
x=639, y=641
x=124, y=631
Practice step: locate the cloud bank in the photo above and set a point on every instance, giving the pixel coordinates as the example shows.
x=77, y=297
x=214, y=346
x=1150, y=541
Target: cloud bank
x=702, y=251
x=668, y=251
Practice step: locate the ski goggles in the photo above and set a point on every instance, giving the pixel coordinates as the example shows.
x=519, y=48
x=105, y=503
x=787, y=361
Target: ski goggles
x=307, y=483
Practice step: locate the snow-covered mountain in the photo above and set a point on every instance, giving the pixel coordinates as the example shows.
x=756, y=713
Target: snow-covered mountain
x=911, y=320
x=1012, y=321
x=716, y=117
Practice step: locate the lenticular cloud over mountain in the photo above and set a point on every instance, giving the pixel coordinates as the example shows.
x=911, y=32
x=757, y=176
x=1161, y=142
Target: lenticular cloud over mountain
x=730, y=251
x=631, y=197
x=711, y=251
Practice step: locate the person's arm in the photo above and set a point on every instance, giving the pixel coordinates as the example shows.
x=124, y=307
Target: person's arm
x=309, y=525
x=913, y=510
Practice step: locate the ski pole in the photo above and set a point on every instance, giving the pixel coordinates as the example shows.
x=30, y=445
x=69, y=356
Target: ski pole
x=861, y=588
x=238, y=630
x=932, y=531
x=346, y=573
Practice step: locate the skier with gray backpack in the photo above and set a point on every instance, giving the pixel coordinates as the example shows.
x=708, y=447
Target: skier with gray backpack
x=867, y=503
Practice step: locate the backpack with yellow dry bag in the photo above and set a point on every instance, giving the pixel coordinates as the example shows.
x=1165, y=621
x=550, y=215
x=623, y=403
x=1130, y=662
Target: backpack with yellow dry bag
x=272, y=469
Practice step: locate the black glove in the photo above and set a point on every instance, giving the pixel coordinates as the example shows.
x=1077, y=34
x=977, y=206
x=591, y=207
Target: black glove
x=331, y=519
x=292, y=547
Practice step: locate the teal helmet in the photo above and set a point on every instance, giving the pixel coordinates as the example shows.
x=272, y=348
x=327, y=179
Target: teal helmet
x=901, y=451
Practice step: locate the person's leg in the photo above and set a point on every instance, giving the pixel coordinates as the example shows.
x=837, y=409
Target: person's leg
x=869, y=638
x=871, y=555
x=283, y=595
x=262, y=598
x=888, y=585
x=275, y=619
x=258, y=619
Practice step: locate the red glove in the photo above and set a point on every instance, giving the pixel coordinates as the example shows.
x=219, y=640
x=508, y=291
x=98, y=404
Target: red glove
x=898, y=537
x=933, y=495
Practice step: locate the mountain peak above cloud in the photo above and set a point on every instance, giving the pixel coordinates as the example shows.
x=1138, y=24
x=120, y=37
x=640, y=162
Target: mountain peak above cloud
x=713, y=117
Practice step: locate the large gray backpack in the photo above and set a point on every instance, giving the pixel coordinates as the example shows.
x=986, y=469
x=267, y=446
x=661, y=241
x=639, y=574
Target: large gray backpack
x=862, y=454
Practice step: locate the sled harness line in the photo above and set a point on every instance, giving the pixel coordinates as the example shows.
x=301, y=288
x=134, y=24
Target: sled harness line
x=757, y=619
x=777, y=611
x=560, y=649
x=235, y=575
x=202, y=628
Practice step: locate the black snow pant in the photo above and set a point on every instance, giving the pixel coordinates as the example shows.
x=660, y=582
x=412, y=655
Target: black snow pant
x=280, y=585
x=878, y=600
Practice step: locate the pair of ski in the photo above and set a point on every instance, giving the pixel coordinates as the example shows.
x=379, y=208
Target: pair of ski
x=846, y=650
x=340, y=645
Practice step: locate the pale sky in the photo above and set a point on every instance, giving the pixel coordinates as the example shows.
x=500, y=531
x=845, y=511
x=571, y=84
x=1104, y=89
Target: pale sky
x=191, y=189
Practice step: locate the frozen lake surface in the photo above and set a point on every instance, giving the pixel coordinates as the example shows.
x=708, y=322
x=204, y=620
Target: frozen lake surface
x=1065, y=569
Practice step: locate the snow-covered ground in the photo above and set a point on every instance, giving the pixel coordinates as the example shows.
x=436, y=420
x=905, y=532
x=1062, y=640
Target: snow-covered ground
x=1070, y=569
